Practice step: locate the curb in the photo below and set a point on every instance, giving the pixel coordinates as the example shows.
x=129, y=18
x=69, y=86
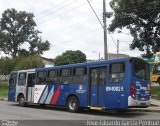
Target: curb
x=3, y=99
x=146, y=110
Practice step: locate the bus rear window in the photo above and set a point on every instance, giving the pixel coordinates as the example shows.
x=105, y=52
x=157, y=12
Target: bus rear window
x=141, y=69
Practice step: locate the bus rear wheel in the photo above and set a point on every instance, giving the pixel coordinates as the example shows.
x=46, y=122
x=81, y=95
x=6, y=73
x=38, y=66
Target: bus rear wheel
x=21, y=101
x=72, y=104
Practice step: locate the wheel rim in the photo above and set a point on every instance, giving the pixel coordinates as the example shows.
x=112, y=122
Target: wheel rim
x=72, y=105
x=21, y=101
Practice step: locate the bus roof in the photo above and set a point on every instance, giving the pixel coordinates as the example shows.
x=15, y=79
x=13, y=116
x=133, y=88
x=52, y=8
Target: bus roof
x=88, y=63
x=28, y=70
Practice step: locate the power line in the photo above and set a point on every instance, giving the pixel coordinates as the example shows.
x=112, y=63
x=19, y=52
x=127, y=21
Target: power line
x=113, y=40
x=51, y=8
x=58, y=9
x=95, y=14
x=62, y=13
x=68, y=26
x=68, y=41
x=100, y=21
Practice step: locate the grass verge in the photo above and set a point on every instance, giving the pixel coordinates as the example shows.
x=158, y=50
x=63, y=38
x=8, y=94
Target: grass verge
x=155, y=92
x=3, y=90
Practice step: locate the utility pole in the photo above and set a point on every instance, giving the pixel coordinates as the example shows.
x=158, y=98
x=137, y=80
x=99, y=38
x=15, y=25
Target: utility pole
x=99, y=56
x=117, y=48
x=105, y=31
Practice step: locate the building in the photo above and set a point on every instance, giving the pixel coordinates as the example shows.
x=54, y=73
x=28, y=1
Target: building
x=48, y=62
x=113, y=55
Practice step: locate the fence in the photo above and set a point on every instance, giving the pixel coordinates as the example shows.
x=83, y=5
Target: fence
x=4, y=77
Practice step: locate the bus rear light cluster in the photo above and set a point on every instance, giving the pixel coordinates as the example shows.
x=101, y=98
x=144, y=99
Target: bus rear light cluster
x=149, y=88
x=132, y=91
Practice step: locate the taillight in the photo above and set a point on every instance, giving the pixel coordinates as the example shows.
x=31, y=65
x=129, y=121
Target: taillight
x=149, y=87
x=132, y=91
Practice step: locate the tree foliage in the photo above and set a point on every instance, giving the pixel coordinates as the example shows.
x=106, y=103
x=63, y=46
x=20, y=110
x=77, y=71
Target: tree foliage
x=19, y=63
x=6, y=65
x=70, y=57
x=28, y=62
x=142, y=18
x=17, y=29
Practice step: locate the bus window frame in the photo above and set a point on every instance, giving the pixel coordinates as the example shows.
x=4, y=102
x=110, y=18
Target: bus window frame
x=57, y=76
x=84, y=75
x=14, y=79
x=61, y=77
x=98, y=68
x=21, y=79
x=44, y=83
x=109, y=72
x=146, y=64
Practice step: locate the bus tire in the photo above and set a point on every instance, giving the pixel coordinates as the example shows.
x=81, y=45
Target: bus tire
x=158, y=81
x=73, y=104
x=21, y=101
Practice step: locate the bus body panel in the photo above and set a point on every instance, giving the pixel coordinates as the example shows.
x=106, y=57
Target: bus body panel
x=12, y=94
x=116, y=92
x=12, y=86
x=97, y=84
x=20, y=87
x=140, y=79
x=78, y=90
x=55, y=94
x=111, y=89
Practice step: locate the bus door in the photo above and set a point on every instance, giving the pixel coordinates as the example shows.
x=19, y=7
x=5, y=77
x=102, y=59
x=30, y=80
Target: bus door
x=41, y=88
x=115, y=87
x=21, y=87
x=97, y=84
x=12, y=87
x=30, y=87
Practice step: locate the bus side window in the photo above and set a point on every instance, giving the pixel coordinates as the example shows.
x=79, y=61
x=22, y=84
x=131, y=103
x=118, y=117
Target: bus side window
x=52, y=76
x=12, y=80
x=79, y=75
x=65, y=76
x=41, y=77
x=98, y=76
x=102, y=75
x=94, y=77
x=22, y=79
x=117, y=71
x=31, y=80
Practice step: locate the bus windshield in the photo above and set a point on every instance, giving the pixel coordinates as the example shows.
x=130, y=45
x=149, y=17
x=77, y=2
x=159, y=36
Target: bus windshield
x=141, y=69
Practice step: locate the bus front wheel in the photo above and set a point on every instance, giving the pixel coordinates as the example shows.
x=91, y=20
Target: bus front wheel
x=72, y=104
x=21, y=101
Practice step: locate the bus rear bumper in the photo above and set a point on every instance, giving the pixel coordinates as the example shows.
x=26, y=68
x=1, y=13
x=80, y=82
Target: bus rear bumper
x=135, y=103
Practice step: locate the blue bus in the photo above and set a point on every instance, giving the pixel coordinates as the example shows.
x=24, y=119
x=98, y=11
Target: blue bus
x=110, y=84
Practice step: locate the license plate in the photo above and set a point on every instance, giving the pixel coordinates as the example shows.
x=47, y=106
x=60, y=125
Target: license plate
x=142, y=99
x=143, y=104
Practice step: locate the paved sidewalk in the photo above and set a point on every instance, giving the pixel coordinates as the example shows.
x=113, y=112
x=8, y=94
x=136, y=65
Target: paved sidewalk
x=155, y=102
x=3, y=99
x=149, y=109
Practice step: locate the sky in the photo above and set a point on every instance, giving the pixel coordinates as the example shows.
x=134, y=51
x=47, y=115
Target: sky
x=72, y=25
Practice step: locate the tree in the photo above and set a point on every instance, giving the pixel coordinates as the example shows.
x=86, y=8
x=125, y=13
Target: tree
x=6, y=65
x=28, y=62
x=142, y=18
x=70, y=57
x=19, y=63
x=18, y=28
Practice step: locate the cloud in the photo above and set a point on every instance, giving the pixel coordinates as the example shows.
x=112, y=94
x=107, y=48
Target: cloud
x=71, y=25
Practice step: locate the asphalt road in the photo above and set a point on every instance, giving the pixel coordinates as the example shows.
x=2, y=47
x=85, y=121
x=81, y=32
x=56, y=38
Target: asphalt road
x=46, y=115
